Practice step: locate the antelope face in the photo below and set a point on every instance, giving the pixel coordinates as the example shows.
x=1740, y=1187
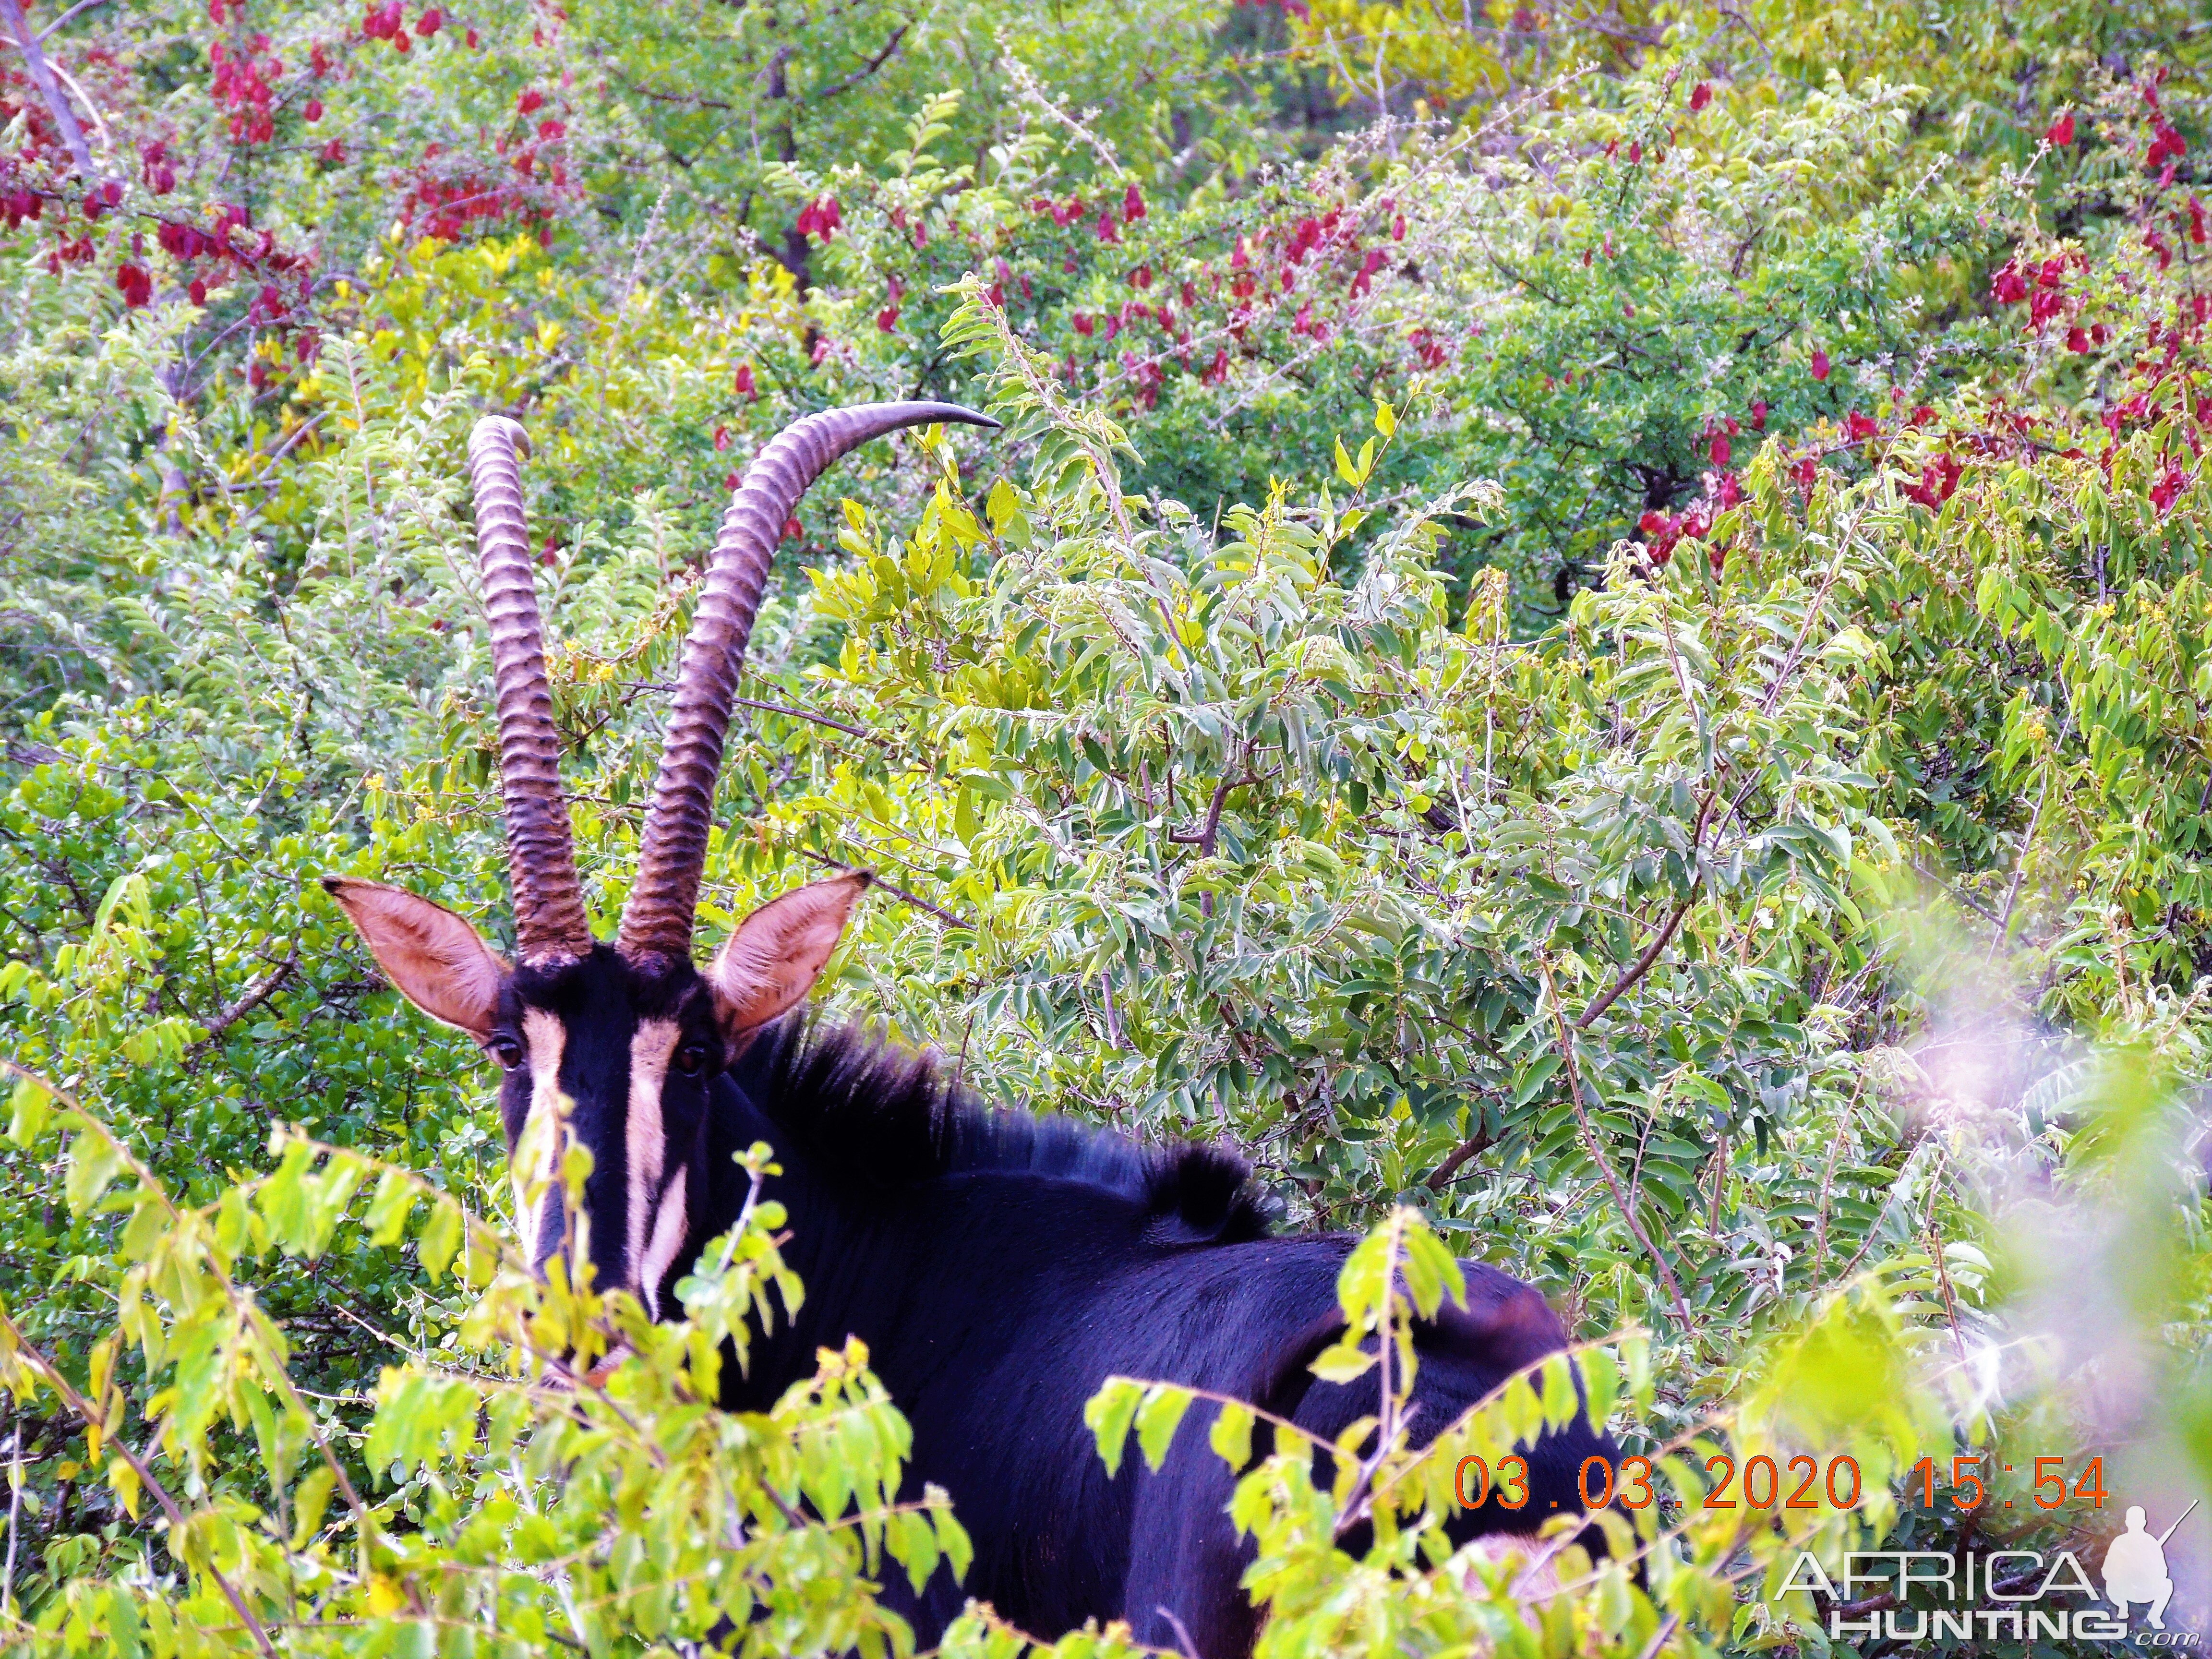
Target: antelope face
x=616, y=1045
x=616, y=1054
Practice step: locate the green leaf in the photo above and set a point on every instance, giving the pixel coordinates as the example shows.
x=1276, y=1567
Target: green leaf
x=94, y=1161
x=1157, y=1421
x=1109, y=1414
x=1341, y=1362
x=440, y=1239
x=1231, y=1436
x=310, y=1499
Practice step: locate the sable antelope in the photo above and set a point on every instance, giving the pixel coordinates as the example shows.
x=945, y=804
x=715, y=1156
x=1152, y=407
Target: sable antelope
x=1000, y=1267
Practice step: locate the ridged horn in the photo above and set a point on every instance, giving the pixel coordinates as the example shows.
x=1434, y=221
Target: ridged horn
x=550, y=923
x=657, y=921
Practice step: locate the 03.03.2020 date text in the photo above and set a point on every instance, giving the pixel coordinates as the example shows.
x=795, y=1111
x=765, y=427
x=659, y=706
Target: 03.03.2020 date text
x=1762, y=1483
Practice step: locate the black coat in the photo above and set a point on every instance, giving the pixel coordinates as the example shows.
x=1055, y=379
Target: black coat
x=1000, y=1268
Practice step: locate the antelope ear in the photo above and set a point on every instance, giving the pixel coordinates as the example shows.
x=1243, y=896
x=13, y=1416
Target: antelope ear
x=433, y=957
x=777, y=953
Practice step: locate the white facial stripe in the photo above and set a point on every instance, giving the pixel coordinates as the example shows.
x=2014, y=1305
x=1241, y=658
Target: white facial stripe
x=647, y=1132
x=669, y=1227
x=547, y=1038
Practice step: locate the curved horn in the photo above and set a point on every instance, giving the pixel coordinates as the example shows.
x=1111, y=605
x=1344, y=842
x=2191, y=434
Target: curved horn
x=549, y=905
x=657, y=920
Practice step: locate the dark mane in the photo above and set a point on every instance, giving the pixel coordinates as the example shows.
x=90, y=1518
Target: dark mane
x=883, y=1117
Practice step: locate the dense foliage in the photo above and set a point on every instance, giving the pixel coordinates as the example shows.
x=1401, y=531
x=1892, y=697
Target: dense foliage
x=1590, y=637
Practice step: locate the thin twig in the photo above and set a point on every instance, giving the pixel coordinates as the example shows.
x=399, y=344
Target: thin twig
x=802, y=714
x=1473, y=1147
x=82, y=5
x=254, y=995
x=892, y=887
x=1659, y=1636
x=76, y=1402
x=15, y=1508
x=1566, y=1043
x=1965, y=899
x=2027, y=842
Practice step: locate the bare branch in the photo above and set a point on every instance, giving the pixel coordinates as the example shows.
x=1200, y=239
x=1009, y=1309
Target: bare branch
x=1566, y=1045
x=42, y=76
x=802, y=714
x=1640, y=967
x=51, y=1376
x=1472, y=1148
x=893, y=888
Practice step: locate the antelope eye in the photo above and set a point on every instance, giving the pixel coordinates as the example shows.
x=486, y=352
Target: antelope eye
x=506, y=1050
x=691, y=1059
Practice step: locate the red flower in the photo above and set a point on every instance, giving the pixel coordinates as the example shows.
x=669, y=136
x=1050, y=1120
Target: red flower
x=1719, y=450
x=2008, y=287
x=2196, y=221
x=820, y=218
x=473, y=39
x=530, y=102
x=1700, y=95
x=743, y=383
x=334, y=151
x=2060, y=132
x=318, y=62
x=314, y=111
x=137, y=287
x=1660, y=534
x=1084, y=324
x=793, y=530
x=2168, y=488
x=1805, y=473
x=1133, y=205
x=730, y=482
x=721, y=439
x=1731, y=491
x=1922, y=414
x=1820, y=364
x=1759, y=415
x=1938, y=481
x=1397, y=227
x=2077, y=338
x=428, y=24
x=1859, y=426
x=1635, y=151
x=1106, y=232
x=199, y=291
x=887, y=319
x=551, y=128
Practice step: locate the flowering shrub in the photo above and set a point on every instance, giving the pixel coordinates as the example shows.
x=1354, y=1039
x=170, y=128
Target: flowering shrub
x=1599, y=667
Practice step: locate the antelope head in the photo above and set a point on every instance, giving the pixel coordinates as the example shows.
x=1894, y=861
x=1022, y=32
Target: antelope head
x=626, y=1038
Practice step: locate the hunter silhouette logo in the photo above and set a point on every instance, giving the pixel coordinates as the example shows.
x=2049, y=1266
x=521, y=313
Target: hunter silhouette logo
x=2134, y=1567
x=2016, y=1595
